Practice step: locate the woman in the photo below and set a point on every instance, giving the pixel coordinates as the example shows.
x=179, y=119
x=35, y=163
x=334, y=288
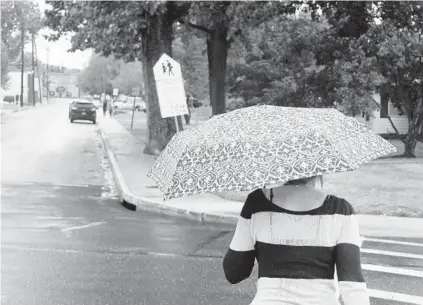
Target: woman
x=298, y=235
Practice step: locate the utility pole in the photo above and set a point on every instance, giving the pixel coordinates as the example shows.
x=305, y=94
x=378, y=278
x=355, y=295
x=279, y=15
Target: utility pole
x=48, y=84
x=33, y=71
x=38, y=73
x=22, y=60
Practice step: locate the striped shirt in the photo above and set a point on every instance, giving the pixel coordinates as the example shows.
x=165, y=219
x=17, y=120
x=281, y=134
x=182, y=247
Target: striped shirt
x=297, y=253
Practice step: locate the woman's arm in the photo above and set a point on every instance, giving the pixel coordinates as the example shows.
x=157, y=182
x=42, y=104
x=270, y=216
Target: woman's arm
x=351, y=281
x=239, y=260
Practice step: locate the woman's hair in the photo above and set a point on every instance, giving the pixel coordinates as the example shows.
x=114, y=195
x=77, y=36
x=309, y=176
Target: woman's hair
x=302, y=181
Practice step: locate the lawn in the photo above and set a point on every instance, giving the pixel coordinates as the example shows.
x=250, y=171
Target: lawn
x=400, y=146
x=393, y=189
x=380, y=188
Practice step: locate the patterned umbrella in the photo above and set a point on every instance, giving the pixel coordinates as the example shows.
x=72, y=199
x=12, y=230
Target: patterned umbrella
x=263, y=145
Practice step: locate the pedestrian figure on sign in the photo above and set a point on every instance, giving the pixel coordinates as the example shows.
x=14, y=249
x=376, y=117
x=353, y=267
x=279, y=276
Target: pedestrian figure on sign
x=170, y=67
x=164, y=68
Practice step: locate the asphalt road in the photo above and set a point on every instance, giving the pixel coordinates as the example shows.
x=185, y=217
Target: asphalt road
x=66, y=239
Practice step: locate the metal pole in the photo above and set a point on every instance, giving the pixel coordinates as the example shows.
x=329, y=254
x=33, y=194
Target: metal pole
x=48, y=85
x=198, y=114
x=38, y=73
x=133, y=112
x=33, y=72
x=22, y=60
x=177, y=124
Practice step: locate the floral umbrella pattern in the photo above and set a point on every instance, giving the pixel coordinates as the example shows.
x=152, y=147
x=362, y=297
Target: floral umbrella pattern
x=263, y=145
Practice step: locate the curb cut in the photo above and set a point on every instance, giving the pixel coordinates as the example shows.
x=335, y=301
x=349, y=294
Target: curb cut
x=135, y=203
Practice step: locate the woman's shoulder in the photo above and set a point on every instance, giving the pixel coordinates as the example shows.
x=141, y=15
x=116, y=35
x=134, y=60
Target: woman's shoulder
x=255, y=202
x=338, y=205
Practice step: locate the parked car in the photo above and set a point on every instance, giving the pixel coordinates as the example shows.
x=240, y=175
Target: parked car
x=196, y=103
x=82, y=110
x=96, y=102
x=127, y=103
x=10, y=98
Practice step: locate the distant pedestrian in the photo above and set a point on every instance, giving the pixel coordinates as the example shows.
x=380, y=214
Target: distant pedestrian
x=109, y=104
x=104, y=102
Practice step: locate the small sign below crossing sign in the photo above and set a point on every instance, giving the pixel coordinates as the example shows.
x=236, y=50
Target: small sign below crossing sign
x=136, y=91
x=170, y=87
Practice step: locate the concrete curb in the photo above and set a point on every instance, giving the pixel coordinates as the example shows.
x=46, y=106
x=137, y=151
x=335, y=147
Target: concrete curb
x=135, y=203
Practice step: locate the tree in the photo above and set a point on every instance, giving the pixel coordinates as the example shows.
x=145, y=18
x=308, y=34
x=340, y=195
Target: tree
x=389, y=33
x=190, y=51
x=129, y=77
x=130, y=30
x=223, y=22
x=4, y=66
x=104, y=74
x=13, y=14
x=396, y=46
x=285, y=68
x=98, y=76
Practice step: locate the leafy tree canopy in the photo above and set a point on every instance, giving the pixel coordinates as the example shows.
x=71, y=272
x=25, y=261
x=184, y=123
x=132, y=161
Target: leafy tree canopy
x=104, y=74
x=108, y=27
x=284, y=68
x=13, y=15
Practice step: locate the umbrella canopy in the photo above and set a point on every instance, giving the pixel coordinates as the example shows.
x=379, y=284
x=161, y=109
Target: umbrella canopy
x=263, y=145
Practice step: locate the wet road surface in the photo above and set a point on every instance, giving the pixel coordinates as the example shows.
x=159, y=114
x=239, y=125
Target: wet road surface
x=66, y=239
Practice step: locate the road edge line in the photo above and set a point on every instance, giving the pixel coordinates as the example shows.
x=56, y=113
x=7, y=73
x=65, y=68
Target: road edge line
x=392, y=253
x=396, y=297
x=392, y=241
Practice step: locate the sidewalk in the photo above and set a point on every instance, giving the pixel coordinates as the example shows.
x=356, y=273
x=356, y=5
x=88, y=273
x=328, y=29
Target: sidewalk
x=138, y=192
x=6, y=108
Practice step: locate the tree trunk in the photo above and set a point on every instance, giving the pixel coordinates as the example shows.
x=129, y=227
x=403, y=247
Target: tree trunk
x=409, y=147
x=210, y=67
x=157, y=40
x=217, y=52
x=410, y=141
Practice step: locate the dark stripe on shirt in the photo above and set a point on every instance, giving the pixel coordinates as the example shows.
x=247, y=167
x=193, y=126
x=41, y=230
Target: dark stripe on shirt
x=257, y=202
x=298, y=262
x=348, y=265
x=238, y=265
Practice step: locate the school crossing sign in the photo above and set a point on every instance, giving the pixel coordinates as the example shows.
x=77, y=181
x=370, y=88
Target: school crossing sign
x=170, y=87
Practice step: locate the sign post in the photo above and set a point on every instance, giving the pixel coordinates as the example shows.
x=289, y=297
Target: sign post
x=170, y=88
x=135, y=92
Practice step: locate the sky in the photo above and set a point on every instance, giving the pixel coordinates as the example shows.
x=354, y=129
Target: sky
x=58, y=54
